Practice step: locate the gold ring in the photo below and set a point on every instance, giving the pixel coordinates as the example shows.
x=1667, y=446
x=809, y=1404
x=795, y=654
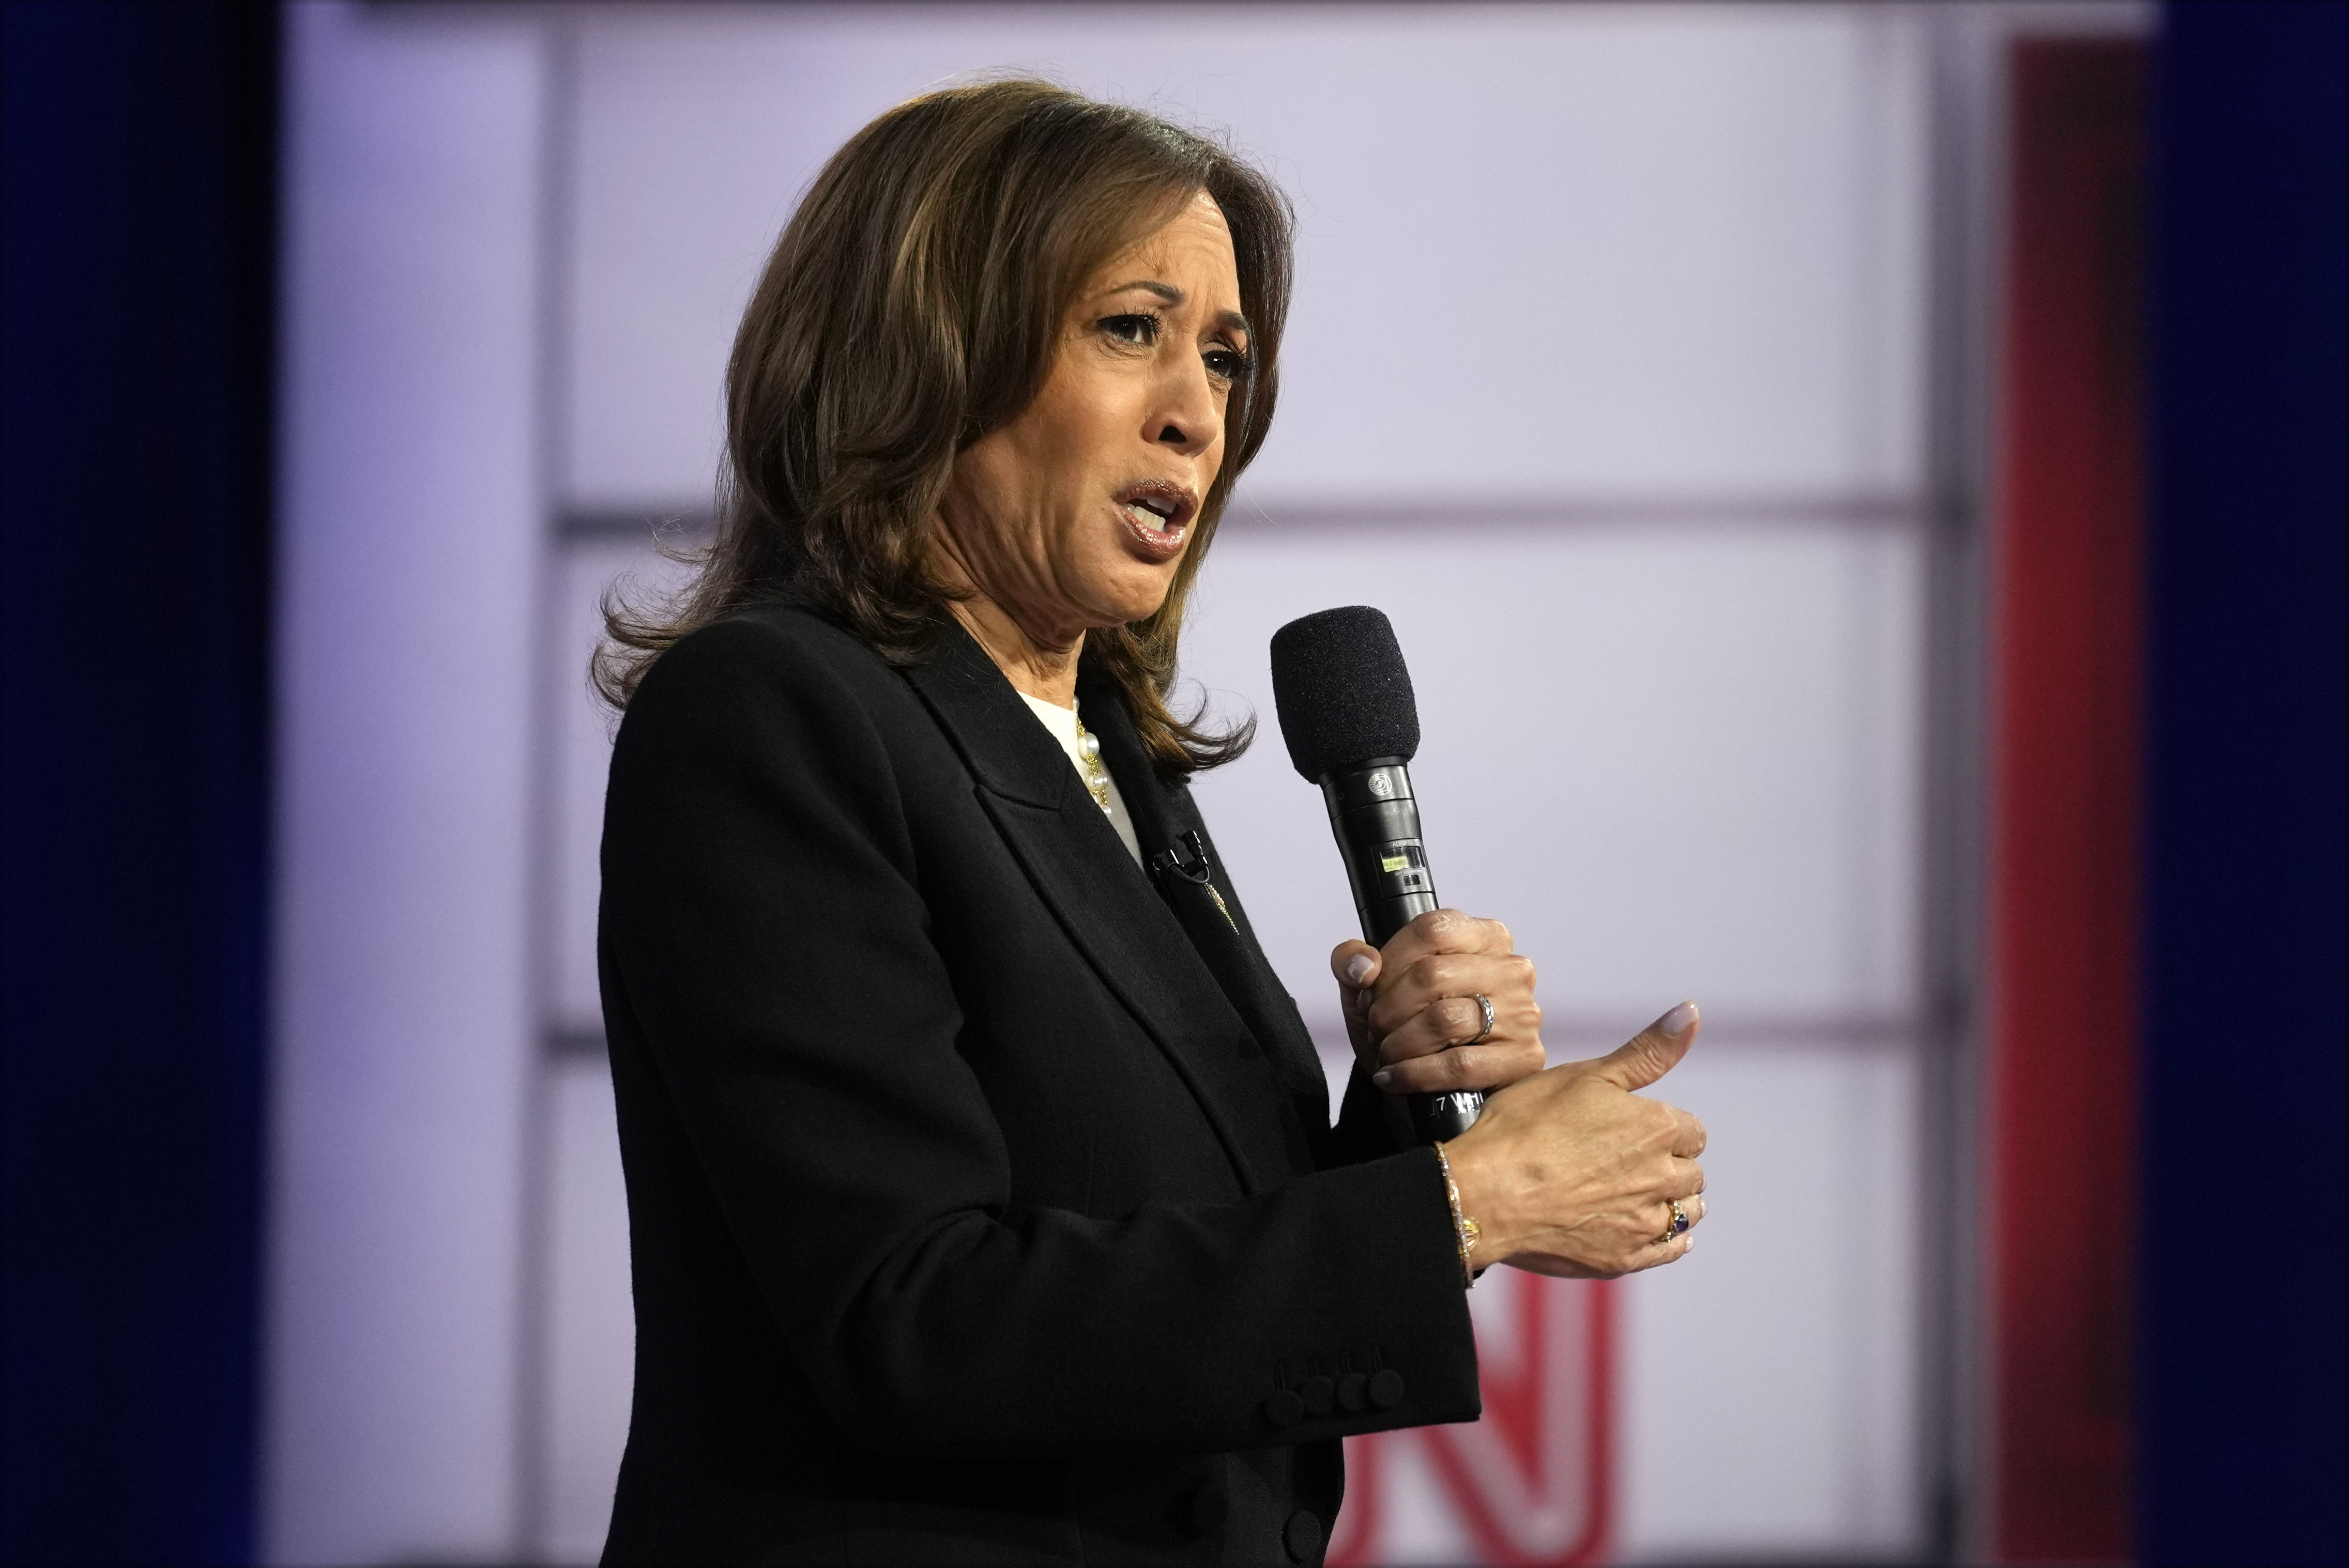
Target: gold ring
x=1679, y=1226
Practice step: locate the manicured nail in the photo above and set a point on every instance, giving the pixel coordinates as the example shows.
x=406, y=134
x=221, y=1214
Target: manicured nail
x=1382, y=1077
x=1357, y=968
x=1677, y=1022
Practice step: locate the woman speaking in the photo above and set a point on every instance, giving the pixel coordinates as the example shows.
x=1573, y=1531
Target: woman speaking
x=984, y=1199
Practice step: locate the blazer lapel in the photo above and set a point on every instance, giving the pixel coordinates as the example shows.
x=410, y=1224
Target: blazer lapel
x=1133, y=941
x=1196, y=885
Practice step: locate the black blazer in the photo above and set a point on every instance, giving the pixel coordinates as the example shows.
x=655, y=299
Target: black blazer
x=983, y=1203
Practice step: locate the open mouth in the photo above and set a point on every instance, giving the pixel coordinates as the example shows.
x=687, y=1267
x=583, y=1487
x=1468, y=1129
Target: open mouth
x=1157, y=515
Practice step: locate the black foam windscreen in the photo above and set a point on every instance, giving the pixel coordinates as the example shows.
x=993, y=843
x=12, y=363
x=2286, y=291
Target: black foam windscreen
x=1342, y=690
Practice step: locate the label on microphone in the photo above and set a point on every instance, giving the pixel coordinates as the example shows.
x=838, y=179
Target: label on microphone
x=1402, y=868
x=1387, y=869
x=1393, y=885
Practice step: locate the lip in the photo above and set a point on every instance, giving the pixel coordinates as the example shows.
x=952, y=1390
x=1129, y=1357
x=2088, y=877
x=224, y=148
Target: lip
x=1156, y=539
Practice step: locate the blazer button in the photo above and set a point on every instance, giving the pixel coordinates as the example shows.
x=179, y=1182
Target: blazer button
x=1302, y=1536
x=1353, y=1392
x=1284, y=1409
x=1386, y=1388
x=1320, y=1396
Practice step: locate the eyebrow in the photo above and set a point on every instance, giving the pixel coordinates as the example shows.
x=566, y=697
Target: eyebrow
x=1231, y=319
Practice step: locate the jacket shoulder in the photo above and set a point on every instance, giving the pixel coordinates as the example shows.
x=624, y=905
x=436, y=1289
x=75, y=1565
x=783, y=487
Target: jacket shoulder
x=777, y=657
x=777, y=639
x=765, y=717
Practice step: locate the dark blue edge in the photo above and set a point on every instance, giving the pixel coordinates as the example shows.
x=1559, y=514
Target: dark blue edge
x=139, y=241
x=2242, y=1311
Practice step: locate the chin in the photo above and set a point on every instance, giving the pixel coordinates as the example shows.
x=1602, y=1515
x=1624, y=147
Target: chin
x=1132, y=600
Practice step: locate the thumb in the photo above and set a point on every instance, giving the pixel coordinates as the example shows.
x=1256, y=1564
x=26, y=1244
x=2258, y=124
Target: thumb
x=1355, y=963
x=1652, y=1053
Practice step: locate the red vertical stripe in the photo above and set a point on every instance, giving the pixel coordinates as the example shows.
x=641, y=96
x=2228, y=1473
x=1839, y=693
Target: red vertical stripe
x=2064, y=917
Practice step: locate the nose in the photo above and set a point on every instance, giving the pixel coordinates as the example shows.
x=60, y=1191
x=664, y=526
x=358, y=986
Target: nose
x=1185, y=417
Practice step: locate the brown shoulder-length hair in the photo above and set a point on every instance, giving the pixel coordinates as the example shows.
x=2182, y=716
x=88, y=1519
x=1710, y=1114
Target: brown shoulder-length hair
x=915, y=301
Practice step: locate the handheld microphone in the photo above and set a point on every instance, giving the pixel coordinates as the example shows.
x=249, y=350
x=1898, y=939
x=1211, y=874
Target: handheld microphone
x=1351, y=724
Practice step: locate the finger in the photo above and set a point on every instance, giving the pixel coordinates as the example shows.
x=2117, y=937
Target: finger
x=1669, y=1228
x=1687, y=1181
x=1443, y=930
x=1505, y=977
x=1463, y=1067
x=1688, y=1133
x=1653, y=1052
x=1656, y=1254
x=1355, y=964
x=1439, y=1025
x=1629, y=1259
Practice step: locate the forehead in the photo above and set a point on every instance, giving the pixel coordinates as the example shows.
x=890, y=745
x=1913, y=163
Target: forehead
x=1195, y=243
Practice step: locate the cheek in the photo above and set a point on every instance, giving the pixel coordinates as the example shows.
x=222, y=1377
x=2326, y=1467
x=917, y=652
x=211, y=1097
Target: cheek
x=983, y=478
x=1002, y=497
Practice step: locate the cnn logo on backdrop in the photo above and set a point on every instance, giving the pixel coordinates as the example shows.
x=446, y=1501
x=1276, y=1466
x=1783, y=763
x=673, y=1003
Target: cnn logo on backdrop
x=1527, y=1484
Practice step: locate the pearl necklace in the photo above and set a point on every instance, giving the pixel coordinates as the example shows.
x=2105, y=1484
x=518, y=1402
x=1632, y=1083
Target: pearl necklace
x=1096, y=774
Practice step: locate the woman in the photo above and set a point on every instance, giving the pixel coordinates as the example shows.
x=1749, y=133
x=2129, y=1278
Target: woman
x=984, y=1202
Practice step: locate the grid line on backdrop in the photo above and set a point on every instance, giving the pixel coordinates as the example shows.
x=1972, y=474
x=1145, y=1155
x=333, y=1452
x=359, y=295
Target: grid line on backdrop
x=535, y=1376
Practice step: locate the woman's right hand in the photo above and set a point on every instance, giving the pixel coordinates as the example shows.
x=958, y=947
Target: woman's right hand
x=1571, y=1173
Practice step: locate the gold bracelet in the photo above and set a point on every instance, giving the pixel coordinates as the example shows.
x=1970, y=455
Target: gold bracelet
x=1464, y=1229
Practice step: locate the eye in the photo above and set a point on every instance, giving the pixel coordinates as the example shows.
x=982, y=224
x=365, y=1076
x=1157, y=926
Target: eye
x=1227, y=364
x=1139, y=329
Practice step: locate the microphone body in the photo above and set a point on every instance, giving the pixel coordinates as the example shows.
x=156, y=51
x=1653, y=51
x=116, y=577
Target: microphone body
x=1351, y=724
x=1375, y=818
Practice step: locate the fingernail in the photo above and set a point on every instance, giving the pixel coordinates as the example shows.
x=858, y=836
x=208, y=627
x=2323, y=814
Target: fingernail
x=1358, y=968
x=1382, y=1077
x=1677, y=1022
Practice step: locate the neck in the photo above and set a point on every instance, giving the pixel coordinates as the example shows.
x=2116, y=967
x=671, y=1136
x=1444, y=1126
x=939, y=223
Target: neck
x=1042, y=667
x=1040, y=661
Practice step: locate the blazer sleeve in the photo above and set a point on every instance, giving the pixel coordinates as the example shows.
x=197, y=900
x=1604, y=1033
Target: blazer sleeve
x=764, y=929
x=1362, y=1131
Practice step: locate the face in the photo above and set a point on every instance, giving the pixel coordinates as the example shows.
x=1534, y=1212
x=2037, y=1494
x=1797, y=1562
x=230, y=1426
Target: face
x=1076, y=513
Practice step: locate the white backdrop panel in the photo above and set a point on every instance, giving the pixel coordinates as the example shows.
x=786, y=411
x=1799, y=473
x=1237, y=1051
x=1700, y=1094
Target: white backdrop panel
x=1545, y=250
x=590, y=1342
x=1677, y=762
x=408, y=557
x=1769, y=1378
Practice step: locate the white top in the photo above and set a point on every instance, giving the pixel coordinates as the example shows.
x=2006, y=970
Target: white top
x=1062, y=723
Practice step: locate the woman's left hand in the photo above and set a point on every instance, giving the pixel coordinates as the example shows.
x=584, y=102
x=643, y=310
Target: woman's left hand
x=1412, y=1010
